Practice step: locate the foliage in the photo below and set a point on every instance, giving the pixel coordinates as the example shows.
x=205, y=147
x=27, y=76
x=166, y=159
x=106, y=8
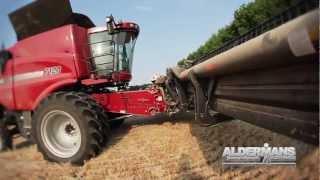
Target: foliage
x=245, y=18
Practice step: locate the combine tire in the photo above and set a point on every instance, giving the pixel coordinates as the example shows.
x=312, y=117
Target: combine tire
x=102, y=115
x=67, y=128
x=116, y=123
x=5, y=139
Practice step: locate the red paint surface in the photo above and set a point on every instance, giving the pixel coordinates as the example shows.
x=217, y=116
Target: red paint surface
x=143, y=102
x=6, y=91
x=62, y=47
x=128, y=26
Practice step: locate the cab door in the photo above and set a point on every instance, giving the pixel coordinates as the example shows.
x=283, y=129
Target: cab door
x=6, y=80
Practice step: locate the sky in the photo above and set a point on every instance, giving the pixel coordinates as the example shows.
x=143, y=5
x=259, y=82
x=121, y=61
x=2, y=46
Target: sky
x=169, y=29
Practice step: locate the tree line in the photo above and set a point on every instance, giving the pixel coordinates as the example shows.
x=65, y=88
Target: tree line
x=246, y=17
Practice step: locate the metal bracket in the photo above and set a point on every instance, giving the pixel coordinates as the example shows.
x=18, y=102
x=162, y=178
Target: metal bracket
x=212, y=83
x=121, y=117
x=26, y=119
x=176, y=91
x=201, y=101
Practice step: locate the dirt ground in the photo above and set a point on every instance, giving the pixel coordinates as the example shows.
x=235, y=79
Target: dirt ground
x=155, y=149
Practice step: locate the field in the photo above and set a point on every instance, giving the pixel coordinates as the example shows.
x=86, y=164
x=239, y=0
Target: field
x=166, y=148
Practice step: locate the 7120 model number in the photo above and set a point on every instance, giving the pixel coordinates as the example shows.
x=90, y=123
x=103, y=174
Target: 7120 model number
x=51, y=71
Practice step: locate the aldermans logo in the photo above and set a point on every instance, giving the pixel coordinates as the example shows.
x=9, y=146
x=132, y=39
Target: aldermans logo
x=259, y=155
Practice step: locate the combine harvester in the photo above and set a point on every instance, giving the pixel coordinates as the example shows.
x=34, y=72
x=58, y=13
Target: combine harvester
x=65, y=81
x=268, y=76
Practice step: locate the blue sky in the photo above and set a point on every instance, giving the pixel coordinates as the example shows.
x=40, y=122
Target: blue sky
x=170, y=29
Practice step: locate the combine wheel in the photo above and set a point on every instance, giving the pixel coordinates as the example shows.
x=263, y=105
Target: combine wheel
x=67, y=128
x=102, y=115
x=5, y=138
x=116, y=123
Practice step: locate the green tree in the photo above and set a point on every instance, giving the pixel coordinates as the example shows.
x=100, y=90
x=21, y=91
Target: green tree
x=246, y=17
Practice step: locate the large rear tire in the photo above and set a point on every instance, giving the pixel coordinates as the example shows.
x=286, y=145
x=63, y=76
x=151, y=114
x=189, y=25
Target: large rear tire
x=102, y=115
x=116, y=123
x=5, y=138
x=5, y=135
x=67, y=128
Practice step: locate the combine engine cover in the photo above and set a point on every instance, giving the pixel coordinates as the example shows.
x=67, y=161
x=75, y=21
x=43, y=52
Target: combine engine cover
x=42, y=16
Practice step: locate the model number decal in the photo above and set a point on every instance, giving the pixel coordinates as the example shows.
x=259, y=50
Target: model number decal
x=51, y=71
x=48, y=71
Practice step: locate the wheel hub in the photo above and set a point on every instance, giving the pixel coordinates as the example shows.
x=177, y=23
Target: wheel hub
x=70, y=130
x=61, y=134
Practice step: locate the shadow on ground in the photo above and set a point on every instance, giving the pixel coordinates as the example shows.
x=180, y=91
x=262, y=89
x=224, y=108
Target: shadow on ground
x=212, y=141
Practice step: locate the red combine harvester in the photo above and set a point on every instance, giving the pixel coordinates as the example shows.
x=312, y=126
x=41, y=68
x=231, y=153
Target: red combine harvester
x=63, y=83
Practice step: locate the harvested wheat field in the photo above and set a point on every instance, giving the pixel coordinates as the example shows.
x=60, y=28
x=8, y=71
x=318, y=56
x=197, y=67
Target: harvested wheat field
x=176, y=149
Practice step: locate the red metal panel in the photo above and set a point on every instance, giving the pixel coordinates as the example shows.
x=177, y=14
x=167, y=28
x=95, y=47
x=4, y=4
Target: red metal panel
x=42, y=64
x=143, y=102
x=6, y=90
x=121, y=76
x=82, y=51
